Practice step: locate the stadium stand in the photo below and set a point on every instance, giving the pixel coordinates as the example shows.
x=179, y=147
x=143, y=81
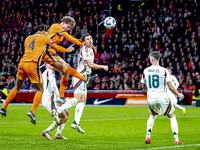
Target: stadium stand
x=172, y=27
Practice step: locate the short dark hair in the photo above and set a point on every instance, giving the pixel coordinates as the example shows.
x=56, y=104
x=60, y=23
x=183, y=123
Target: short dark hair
x=42, y=27
x=155, y=55
x=84, y=35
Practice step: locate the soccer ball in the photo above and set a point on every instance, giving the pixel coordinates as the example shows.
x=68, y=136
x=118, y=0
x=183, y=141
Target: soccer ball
x=109, y=22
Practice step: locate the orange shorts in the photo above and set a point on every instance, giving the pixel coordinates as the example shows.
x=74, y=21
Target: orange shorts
x=31, y=69
x=50, y=57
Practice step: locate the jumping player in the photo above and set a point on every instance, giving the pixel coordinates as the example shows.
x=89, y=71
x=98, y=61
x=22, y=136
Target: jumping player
x=156, y=79
x=35, y=45
x=57, y=33
x=85, y=64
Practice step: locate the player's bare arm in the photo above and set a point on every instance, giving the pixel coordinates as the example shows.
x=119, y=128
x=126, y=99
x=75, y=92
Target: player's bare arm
x=95, y=66
x=171, y=87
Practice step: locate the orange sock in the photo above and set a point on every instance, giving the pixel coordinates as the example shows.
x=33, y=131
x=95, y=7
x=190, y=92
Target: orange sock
x=63, y=84
x=9, y=98
x=75, y=73
x=36, y=101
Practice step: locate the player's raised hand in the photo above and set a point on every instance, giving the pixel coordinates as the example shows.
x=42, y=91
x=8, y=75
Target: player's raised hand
x=180, y=95
x=105, y=68
x=71, y=49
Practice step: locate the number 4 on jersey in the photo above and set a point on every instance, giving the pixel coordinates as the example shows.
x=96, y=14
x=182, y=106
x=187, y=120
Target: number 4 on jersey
x=31, y=45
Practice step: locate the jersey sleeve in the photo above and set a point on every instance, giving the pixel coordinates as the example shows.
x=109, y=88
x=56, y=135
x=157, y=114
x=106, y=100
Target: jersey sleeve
x=55, y=46
x=167, y=75
x=143, y=80
x=53, y=82
x=71, y=38
x=48, y=41
x=176, y=83
x=85, y=53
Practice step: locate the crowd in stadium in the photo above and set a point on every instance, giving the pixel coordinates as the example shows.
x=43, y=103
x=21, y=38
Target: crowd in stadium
x=171, y=27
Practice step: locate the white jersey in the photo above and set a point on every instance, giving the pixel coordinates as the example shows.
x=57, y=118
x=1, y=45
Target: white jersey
x=49, y=84
x=170, y=94
x=85, y=54
x=175, y=83
x=156, y=77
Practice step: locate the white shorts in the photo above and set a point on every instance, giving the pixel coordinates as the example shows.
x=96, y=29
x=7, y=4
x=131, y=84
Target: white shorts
x=165, y=104
x=172, y=98
x=50, y=104
x=79, y=86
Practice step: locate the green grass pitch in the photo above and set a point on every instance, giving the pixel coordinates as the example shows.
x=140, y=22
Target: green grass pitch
x=105, y=128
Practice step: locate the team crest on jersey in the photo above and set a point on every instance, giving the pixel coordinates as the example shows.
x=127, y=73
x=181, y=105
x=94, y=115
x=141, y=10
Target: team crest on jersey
x=91, y=53
x=87, y=55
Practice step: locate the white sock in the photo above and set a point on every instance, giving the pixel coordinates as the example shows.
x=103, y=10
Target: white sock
x=79, y=111
x=67, y=105
x=174, y=126
x=179, y=107
x=60, y=128
x=52, y=127
x=150, y=124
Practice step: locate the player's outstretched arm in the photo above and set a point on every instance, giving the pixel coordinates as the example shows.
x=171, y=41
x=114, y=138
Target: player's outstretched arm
x=171, y=87
x=62, y=49
x=95, y=66
x=72, y=39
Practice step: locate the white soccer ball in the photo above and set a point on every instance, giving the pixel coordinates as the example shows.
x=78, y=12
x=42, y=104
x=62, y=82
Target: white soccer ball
x=109, y=22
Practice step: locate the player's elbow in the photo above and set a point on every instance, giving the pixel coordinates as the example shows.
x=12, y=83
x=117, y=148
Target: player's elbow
x=90, y=65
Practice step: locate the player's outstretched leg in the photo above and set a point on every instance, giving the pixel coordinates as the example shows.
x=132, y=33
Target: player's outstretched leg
x=76, y=126
x=32, y=117
x=46, y=135
x=91, y=79
x=181, y=108
x=36, y=101
x=78, y=113
x=184, y=112
x=63, y=85
x=3, y=112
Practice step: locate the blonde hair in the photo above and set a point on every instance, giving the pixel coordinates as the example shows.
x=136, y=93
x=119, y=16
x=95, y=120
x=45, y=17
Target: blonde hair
x=69, y=20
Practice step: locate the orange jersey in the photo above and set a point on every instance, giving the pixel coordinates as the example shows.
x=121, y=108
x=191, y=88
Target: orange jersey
x=34, y=47
x=57, y=34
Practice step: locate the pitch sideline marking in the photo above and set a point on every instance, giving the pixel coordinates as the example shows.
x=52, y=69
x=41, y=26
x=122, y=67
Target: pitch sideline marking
x=104, y=119
x=171, y=146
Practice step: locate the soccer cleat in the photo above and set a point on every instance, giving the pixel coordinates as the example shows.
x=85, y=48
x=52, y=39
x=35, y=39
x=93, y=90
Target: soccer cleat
x=61, y=100
x=184, y=111
x=60, y=136
x=91, y=79
x=177, y=142
x=148, y=141
x=56, y=114
x=3, y=112
x=74, y=125
x=46, y=135
x=32, y=116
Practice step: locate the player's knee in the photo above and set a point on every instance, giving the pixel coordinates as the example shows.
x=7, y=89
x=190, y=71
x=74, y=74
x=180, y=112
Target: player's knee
x=65, y=119
x=65, y=66
x=41, y=90
x=67, y=112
